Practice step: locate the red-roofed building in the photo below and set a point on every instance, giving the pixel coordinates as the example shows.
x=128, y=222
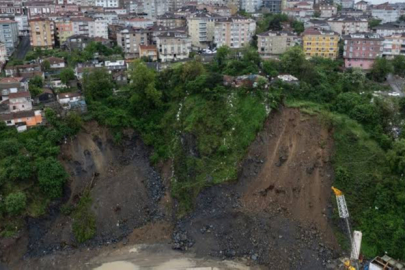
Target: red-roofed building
x=149, y=51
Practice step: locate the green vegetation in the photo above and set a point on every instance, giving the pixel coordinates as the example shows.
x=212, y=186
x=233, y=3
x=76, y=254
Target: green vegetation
x=84, y=224
x=66, y=75
x=30, y=173
x=73, y=57
x=174, y=109
x=373, y=23
x=368, y=160
x=35, y=85
x=274, y=22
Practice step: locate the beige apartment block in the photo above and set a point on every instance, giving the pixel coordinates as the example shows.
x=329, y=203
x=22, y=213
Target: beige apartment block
x=42, y=33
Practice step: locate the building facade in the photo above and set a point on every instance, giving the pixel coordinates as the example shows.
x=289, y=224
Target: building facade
x=9, y=35
x=130, y=39
x=173, y=46
x=386, y=13
x=234, y=32
x=320, y=43
x=361, y=49
x=201, y=29
x=345, y=25
x=274, y=43
x=42, y=33
x=394, y=45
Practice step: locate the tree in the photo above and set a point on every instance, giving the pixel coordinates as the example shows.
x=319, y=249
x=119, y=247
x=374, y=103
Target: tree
x=145, y=96
x=381, y=68
x=97, y=84
x=293, y=60
x=46, y=66
x=66, y=75
x=51, y=176
x=298, y=26
x=270, y=67
x=35, y=85
x=222, y=54
x=373, y=23
x=399, y=65
x=16, y=203
x=396, y=157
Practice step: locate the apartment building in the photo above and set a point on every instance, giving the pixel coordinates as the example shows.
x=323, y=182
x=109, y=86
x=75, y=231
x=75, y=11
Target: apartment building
x=272, y=6
x=386, y=12
x=394, y=45
x=155, y=8
x=327, y=10
x=234, y=32
x=3, y=54
x=361, y=5
x=63, y=29
x=9, y=35
x=201, y=29
x=361, y=49
x=22, y=24
x=170, y=20
x=271, y=44
x=345, y=25
x=389, y=29
x=322, y=43
x=107, y=3
x=173, y=46
x=42, y=33
x=99, y=28
x=298, y=13
x=130, y=39
x=251, y=6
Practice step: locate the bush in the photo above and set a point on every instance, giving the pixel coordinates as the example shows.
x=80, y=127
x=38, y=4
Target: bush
x=84, y=225
x=16, y=203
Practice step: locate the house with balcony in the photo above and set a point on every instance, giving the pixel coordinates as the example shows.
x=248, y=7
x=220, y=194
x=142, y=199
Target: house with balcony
x=361, y=49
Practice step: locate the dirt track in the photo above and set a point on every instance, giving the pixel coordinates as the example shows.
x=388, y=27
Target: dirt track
x=275, y=215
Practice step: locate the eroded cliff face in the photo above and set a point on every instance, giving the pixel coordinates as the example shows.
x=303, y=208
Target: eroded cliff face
x=276, y=215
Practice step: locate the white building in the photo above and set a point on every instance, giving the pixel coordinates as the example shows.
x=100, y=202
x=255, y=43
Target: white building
x=3, y=54
x=173, y=46
x=251, y=6
x=107, y=3
x=386, y=13
x=389, y=29
x=98, y=28
x=345, y=25
x=235, y=32
x=137, y=22
x=201, y=29
x=22, y=24
x=361, y=5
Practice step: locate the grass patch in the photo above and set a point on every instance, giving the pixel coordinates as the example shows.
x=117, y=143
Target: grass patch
x=84, y=224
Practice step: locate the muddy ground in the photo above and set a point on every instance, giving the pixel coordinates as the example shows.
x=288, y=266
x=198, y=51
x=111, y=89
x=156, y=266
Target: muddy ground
x=276, y=215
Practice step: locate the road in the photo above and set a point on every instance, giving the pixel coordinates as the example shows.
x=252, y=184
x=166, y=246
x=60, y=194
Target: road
x=22, y=48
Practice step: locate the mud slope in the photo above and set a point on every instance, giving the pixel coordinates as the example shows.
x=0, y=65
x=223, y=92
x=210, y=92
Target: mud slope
x=276, y=214
x=125, y=190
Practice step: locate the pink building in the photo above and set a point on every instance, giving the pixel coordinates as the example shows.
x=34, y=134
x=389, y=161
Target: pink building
x=361, y=49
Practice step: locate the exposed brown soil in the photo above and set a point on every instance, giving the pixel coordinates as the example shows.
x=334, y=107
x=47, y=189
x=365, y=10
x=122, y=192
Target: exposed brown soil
x=275, y=215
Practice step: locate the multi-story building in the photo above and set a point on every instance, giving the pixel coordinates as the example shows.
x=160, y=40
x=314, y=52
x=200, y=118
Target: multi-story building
x=148, y=51
x=234, y=32
x=173, y=46
x=274, y=43
x=136, y=22
x=272, y=6
x=386, y=12
x=361, y=5
x=220, y=10
x=322, y=43
x=347, y=4
x=251, y=5
x=389, y=29
x=98, y=28
x=9, y=35
x=20, y=101
x=39, y=8
x=3, y=54
x=22, y=24
x=155, y=8
x=394, y=45
x=298, y=13
x=42, y=33
x=327, y=10
x=361, y=49
x=129, y=40
x=107, y=3
x=170, y=20
x=82, y=25
x=201, y=29
x=345, y=25
x=63, y=29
